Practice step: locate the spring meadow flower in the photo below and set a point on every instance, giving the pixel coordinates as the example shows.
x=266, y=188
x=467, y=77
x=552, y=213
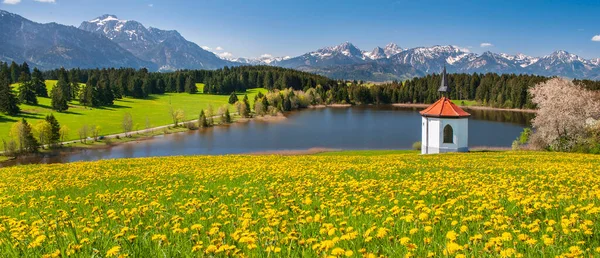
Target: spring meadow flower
x=511, y=204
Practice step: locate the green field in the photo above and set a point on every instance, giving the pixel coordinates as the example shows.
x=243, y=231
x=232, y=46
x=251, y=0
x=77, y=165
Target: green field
x=486, y=204
x=155, y=108
x=466, y=103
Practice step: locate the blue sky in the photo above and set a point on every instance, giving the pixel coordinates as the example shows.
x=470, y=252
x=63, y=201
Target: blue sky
x=251, y=28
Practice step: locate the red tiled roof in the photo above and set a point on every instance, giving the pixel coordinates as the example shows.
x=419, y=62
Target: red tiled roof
x=444, y=108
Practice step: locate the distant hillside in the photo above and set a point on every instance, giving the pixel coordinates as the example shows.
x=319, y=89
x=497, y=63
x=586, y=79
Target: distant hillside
x=165, y=48
x=52, y=45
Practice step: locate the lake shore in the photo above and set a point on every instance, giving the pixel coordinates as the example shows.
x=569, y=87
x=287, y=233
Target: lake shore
x=109, y=141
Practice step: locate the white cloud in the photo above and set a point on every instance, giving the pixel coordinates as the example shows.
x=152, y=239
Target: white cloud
x=46, y=1
x=486, y=44
x=11, y=1
x=596, y=38
x=225, y=55
x=205, y=47
x=266, y=56
x=219, y=49
x=150, y=5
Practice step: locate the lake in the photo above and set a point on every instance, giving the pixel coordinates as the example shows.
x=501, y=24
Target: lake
x=353, y=128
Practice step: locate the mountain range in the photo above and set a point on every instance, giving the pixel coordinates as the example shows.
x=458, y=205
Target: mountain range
x=108, y=41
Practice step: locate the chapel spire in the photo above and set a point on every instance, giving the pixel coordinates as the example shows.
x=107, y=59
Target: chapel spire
x=444, y=85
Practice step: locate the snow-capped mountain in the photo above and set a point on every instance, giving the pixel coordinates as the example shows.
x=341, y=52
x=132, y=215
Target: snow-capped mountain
x=521, y=59
x=166, y=48
x=330, y=60
x=51, y=45
x=262, y=60
x=342, y=54
x=391, y=49
x=375, y=54
x=563, y=63
x=433, y=59
x=108, y=41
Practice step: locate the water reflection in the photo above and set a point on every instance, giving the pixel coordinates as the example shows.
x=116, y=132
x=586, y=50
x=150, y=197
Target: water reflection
x=361, y=127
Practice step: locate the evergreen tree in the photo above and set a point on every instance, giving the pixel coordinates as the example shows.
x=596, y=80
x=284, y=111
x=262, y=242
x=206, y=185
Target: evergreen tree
x=23, y=77
x=8, y=101
x=190, y=85
x=15, y=71
x=233, y=98
x=29, y=143
x=59, y=98
x=86, y=95
x=27, y=93
x=39, y=86
x=202, y=121
x=136, y=88
x=64, y=85
x=227, y=116
x=106, y=95
x=55, y=136
x=25, y=69
x=247, y=110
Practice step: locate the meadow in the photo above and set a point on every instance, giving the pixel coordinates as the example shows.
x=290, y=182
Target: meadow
x=154, y=109
x=487, y=204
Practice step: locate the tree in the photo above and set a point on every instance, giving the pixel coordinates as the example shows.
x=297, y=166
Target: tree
x=43, y=131
x=55, y=129
x=22, y=133
x=64, y=133
x=227, y=116
x=27, y=93
x=60, y=96
x=127, y=123
x=202, y=121
x=23, y=77
x=563, y=109
x=37, y=80
x=190, y=85
x=95, y=131
x=8, y=101
x=177, y=116
x=241, y=108
x=233, y=98
x=83, y=133
x=136, y=88
x=259, y=108
x=15, y=71
x=25, y=72
x=10, y=147
x=221, y=113
x=209, y=115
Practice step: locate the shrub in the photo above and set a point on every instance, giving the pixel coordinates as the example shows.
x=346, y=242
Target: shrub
x=416, y=146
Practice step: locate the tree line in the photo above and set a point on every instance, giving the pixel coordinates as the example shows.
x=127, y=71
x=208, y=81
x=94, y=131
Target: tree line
x=101, y=87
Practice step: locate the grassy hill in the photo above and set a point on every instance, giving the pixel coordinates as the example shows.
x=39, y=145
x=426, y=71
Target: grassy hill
x=522, y=204
x=155, y=108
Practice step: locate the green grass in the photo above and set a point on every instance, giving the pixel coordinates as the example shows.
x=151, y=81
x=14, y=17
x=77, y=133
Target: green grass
x=466, y=103
x=155, y=108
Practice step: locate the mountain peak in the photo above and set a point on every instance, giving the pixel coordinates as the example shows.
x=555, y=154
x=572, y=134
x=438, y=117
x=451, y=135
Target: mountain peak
x=392, y=49
x=101, y=20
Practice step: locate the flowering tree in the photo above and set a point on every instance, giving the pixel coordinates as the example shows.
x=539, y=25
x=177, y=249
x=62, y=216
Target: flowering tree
x=563, y=109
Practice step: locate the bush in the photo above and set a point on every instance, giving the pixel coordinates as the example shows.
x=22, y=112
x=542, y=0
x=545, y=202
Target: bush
x=191, y=126
x=416, y=146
